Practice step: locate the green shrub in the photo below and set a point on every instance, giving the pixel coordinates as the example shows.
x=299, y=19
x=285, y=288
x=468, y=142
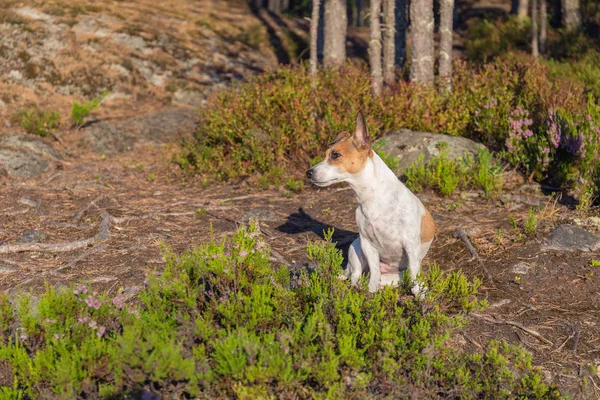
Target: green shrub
x=221, y=321
x=80, y=111
x=37, y=122
x=445, y=175
x=487, y=40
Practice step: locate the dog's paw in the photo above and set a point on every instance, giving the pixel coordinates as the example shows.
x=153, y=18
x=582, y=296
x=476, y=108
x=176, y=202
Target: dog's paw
x=373, y=287
x=342, y=277
x=419, y=291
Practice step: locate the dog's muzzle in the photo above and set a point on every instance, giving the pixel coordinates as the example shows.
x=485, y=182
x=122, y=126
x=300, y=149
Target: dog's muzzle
x=310, y=173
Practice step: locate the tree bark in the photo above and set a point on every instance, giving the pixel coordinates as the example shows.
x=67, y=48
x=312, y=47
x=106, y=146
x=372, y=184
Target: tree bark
x=274, y=5
x=389, y=47
x=571, y=15
x=375, y=47
x=314, y=33
x=336, y=21
x=535, y=52
x=400, y=33
x=522, y=9
x=446, y=28
x=257, y=3
x=543, y=26
x=421, y=31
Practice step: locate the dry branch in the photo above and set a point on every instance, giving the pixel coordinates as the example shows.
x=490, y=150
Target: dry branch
x=460, y=233
x=101, y=236
x=496, y=320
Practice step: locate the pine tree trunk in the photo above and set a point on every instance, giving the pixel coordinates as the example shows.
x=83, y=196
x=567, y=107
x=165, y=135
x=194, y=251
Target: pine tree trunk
x=336, y=21
x=257, y=3
x=274, y=5
x=534, y=30
x=543, y=26
x=400, y=33
x=522, y=9
x=375, y=47
x=446, y=28
x=571, y=15
x=421, y=32
x=314, y=33
x=285, y=4
x=389, y=47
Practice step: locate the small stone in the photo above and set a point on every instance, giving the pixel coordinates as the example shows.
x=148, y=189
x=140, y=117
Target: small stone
x=566, y=237
x=261, y=215
x=521, y=268
x=28, y=202
x=32, y=236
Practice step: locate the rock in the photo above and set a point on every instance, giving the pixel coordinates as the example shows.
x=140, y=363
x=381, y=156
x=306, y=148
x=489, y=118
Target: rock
x=408, y=145
x=112, y=138
x=33, y=144
x=107, y=139
x=33, y=14
x=28, y=202
x=32, y=236
x=6, y=269
x=567, y=237
x=22, y=165
x=261, y=214
x=521, y=268
x=190, y=98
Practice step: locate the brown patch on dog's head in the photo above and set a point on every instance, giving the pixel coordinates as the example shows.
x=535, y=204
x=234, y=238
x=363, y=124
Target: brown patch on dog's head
x=349, y=152
x=427, y=227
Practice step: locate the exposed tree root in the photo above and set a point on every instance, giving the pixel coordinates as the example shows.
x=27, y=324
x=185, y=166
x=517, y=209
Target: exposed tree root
x=460, y=233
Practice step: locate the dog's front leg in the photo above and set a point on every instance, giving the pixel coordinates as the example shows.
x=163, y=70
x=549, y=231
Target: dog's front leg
x=372, y=256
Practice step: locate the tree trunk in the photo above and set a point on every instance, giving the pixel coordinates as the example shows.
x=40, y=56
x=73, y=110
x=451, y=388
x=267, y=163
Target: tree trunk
x=389, y=47
x=257, y=3
x=314, y=33
x=336, y=21
x=285, y=4
x=274, y=5
x=421, y=32
x=543, y=26
x=534, y=29
x=358, y=4
x=522, y=9
x=446, y=28
x=571, y=16
x=375, y=47
x=400, y=33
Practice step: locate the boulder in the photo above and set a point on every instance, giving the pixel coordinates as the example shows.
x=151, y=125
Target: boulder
x=33, y=144
x=408, y=145
x=22, y=165
x=112, y=138
x=566, y=237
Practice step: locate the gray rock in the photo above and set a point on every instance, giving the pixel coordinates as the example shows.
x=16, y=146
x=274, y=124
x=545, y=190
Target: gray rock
x=108, y=139
x=567, y=237
x=190, y=98
x=6, y=269
x=22, y=165
x=521, y=268
x=32, y=236
x=111, y=138
x=33, y=144
x=261, y=214
x=408, y=145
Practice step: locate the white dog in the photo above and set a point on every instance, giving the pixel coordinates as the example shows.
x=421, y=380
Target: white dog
x=395, y=229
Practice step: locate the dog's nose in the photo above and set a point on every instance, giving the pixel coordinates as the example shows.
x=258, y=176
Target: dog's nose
x=309, y=173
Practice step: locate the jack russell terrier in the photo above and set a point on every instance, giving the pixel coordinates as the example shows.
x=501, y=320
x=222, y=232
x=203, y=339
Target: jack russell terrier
x=395, y=229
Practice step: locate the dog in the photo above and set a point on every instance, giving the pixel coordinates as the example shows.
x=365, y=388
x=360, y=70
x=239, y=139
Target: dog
x=395, y=229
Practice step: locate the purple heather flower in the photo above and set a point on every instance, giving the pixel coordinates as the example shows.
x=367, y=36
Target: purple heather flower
x=101, y=331
x=93, y=324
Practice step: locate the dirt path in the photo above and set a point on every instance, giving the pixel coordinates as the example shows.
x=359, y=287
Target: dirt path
x=546, y=301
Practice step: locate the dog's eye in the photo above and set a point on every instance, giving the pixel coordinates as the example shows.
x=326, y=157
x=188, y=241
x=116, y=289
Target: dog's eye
x=334, y=155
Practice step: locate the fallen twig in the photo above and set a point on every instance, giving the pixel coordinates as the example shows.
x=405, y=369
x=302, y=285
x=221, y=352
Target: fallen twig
x=460, y=233
x=495, y=320
x=94, y=203
x=80, y=257
x=102, y=235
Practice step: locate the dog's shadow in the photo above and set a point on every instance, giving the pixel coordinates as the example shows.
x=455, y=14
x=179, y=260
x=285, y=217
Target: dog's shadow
x=299, y=222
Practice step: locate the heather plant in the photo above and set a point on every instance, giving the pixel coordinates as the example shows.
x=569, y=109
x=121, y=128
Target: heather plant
x=37, y=121
x=447, y=175
x=221, y=321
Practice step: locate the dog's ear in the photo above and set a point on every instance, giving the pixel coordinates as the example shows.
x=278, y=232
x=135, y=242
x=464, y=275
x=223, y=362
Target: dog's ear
x=361, y=135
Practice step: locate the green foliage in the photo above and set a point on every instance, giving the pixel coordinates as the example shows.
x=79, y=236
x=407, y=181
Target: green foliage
x=530, y=224
x=222, y=321
x=80, y=111
x=446, y=175
x=487, y=40
x=36, y=121
x=295, y=185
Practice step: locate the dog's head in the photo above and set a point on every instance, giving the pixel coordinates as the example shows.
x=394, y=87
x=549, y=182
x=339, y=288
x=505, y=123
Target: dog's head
x=346, y=156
